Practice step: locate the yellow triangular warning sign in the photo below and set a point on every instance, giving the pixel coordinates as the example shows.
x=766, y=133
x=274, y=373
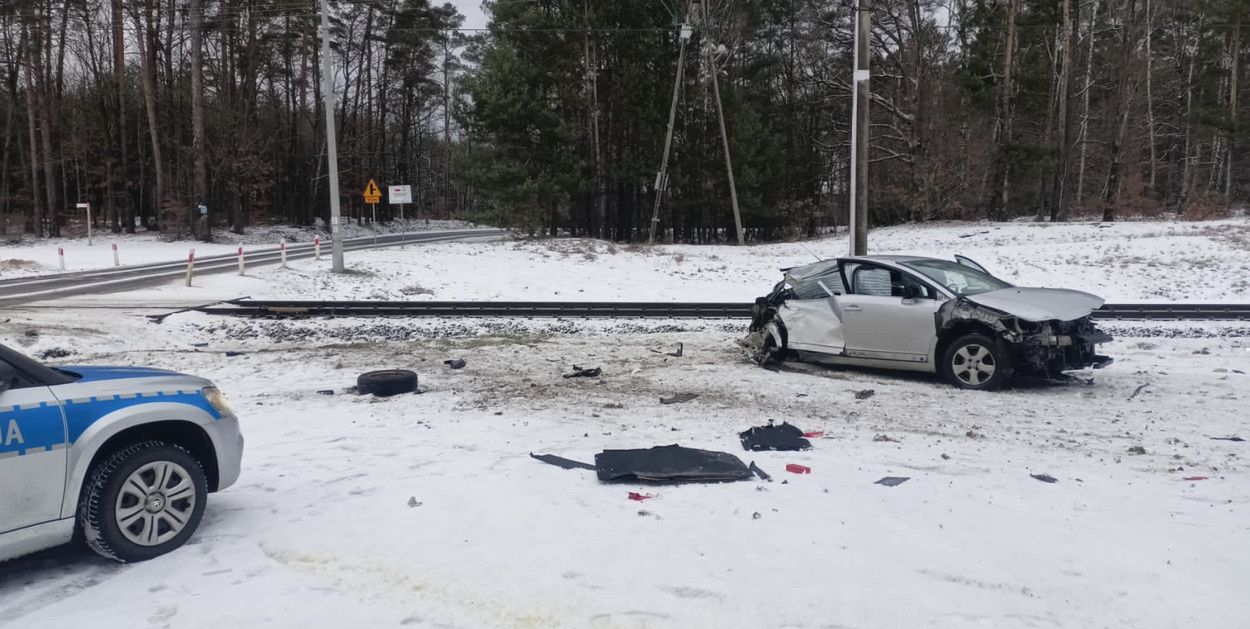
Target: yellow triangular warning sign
x=372, y=193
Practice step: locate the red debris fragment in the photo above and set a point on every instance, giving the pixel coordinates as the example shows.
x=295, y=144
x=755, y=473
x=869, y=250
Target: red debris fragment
x=814, y=435
x=1195, y=478
x=795, y=468
x=633, y=495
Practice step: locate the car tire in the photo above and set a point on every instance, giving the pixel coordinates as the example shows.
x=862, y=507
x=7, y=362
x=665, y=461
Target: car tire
x=386, y=382
x=976, y=362
x=142, y=501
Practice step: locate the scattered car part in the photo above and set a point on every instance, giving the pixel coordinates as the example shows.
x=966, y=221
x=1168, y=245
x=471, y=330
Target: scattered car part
x=669, y=464
x=578, y=372
x=758, y=472
x=455, y=363
x=1045, y=478
x=633, y=495
x=1196, y=478
x=678, y=398
x=562, y=462
x=774, y=437
x=865, y=394
x=795, y=468
x=386, y=382
x=1234, y=438
x=892, y=481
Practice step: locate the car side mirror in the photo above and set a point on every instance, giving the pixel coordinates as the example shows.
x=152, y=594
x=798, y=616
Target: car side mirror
x=911, y=291
x=7, y=375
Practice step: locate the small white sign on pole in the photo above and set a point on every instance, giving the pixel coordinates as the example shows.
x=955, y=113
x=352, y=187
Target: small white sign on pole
x=399, y=195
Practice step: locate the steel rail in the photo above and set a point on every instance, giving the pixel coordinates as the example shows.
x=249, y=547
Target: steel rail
x=634, y=310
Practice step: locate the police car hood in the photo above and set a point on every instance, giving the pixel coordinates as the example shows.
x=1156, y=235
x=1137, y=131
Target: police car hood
x=90, y=374
x=1040, y=304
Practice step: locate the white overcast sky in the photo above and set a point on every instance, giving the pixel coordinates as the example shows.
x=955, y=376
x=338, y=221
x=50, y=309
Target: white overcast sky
x=474, y=17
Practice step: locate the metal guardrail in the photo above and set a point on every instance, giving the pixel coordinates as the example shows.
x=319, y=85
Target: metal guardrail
x=635, y=310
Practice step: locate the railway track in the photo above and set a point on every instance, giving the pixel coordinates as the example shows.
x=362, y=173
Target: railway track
x=636, y=310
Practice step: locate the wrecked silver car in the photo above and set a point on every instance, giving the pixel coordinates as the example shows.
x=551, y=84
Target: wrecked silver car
x=924, y=314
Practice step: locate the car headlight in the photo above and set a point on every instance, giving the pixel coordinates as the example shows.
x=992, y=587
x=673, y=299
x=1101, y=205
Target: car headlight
x=217, y=400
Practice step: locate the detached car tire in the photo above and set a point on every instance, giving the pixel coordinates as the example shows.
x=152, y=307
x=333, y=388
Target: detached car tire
x=142, y=501
x=977, y=362
x=386, y=382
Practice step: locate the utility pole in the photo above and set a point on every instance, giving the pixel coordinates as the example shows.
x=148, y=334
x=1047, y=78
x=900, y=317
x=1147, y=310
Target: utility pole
x=859, y=133
x=332, y=155
x=724, y=136
x=661, y=178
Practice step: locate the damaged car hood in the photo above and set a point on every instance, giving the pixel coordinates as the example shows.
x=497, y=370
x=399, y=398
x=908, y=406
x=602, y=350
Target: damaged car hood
x=1039, y=304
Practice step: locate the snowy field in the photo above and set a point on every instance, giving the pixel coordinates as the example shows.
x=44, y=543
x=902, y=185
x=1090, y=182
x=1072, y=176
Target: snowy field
x=427, y=511
x=1150, y=261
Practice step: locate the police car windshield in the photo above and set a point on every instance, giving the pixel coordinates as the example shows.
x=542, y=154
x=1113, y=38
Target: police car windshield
x=32, y=369
x=957, y=278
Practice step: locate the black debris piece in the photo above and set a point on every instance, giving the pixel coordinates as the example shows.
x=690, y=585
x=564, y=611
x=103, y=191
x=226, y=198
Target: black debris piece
x=326, y=391
x=678, y=398
x=669, y=464
x=1138, y=390
x=1045, y=478
x=774, y=437
x=199, y=345
x=562, y=462
x=1136, y=450
x=455, y=363
x=681, y=349
x=578, y=372
x=892, y=481
x=755, y=469
x=1228, y=438
x=233, y=354
x=865, y=394
x=386, y=382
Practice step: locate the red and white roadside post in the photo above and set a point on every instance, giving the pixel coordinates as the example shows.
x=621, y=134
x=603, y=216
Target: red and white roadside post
x=240, y=259
x=116, y=262
x=282, y=248
x=190, y=266
x=316, y=247
x=60, y=253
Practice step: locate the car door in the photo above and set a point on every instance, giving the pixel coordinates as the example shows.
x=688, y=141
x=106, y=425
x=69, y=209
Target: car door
x=887, y=314
x=32, y=452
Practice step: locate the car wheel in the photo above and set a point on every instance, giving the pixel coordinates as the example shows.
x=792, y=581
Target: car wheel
x=142, y=501
x=976, y=361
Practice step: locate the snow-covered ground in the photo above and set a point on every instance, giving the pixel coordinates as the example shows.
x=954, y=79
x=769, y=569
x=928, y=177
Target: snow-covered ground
x=39, y=256
x=1123, y=262
x=427, y=510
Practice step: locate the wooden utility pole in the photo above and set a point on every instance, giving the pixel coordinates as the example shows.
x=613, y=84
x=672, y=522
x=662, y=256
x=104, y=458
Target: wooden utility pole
x=859, y=133
x=724, y=135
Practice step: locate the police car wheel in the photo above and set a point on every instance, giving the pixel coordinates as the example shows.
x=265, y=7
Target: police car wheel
x=142, y=501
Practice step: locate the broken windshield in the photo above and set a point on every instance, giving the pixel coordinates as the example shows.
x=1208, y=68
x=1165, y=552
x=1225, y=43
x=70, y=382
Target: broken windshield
x=957, y=278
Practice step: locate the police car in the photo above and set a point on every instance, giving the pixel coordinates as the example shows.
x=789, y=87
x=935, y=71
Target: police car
x=122, y=457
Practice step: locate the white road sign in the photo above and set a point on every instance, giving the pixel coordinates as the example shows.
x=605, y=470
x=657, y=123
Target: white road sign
x=399, y=194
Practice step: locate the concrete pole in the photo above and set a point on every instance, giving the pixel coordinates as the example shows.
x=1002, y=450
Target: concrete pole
x=661, y=178
x=327, y=98
x=859, y=132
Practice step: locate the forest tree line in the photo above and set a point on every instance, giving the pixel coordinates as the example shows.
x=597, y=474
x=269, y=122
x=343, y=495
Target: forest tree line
x=554, y=117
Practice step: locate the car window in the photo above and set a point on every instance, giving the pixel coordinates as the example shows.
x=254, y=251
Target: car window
x=957, y=278
x=885, y=282
x=814, y=287
x=870, y=280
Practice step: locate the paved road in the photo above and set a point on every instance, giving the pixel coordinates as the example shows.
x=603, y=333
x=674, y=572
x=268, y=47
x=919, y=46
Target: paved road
x=45, y=287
